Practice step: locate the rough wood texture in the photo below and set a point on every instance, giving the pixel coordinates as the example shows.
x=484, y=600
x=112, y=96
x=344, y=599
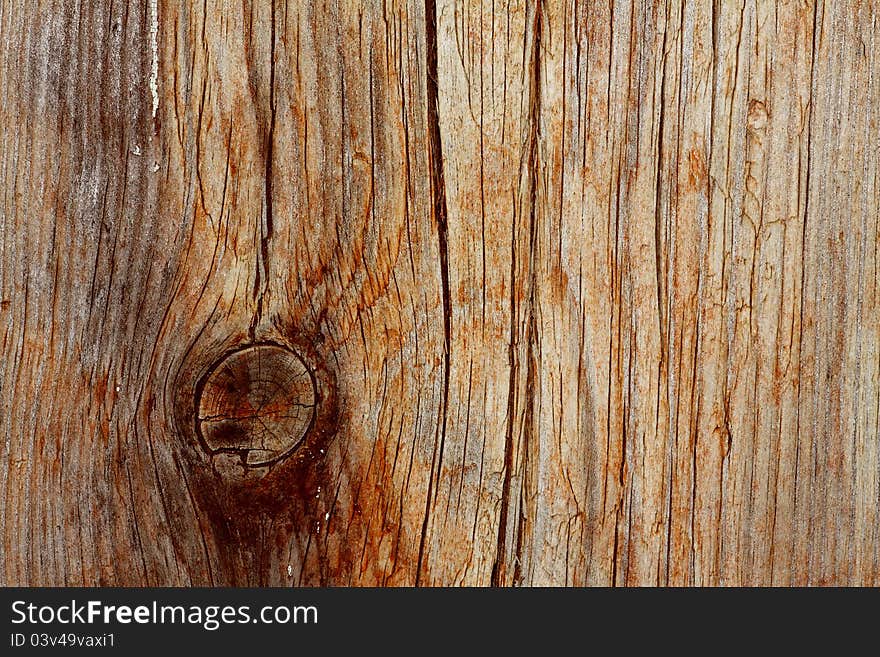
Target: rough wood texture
x=588, y=291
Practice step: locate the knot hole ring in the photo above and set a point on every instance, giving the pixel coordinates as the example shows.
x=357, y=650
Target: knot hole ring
x=258, y=402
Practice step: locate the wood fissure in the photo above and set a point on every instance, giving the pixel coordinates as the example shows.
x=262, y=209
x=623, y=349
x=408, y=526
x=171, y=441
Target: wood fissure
x=440, y=216
x=512, y=525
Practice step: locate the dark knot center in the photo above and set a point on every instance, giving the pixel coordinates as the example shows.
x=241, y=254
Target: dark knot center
x=258, y=402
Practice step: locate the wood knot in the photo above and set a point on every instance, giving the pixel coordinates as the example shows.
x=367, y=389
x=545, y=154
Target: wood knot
x=757, y=116
x=258, y=402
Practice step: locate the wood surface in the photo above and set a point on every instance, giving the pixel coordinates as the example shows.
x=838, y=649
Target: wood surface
x=588, y=292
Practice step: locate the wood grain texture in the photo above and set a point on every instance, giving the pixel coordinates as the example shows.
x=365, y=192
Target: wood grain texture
x=588, y=293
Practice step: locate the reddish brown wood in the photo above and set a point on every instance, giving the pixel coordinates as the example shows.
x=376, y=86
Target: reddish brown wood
x=560, y=292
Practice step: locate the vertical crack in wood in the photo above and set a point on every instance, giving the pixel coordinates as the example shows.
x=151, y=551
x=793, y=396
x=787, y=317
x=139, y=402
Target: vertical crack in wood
x=804, y=239
x=439, y=210
x=261, y=281
x=501, y=564
x=498, y=567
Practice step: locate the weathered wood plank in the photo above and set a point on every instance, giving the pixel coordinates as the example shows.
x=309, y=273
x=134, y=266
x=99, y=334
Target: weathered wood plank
x=587, y=292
